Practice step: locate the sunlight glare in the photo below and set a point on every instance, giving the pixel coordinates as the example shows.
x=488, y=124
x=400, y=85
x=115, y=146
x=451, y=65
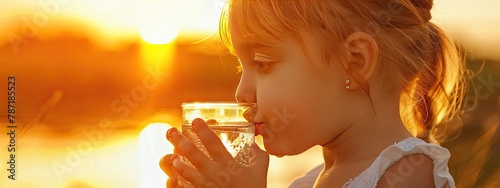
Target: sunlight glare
x=225, y=141
x=152, y=147
x=158, y=21
x=193, y=115
x=158, y=56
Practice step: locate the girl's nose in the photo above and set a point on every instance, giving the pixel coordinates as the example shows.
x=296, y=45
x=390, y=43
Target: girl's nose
x=246, y=89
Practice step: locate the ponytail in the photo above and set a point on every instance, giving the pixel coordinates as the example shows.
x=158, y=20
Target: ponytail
x=439, y=88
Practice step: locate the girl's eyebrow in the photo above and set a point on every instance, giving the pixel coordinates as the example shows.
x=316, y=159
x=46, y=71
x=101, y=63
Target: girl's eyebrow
x=249, y=47
x=252, y=46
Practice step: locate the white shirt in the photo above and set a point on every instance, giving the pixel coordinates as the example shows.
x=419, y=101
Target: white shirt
x=370, y=177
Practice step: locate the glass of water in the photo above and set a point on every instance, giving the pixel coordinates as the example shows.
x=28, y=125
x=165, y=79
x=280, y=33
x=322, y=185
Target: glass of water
x=232, y=122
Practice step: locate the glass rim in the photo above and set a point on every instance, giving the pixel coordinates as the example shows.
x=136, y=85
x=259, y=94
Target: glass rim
x=216, y=104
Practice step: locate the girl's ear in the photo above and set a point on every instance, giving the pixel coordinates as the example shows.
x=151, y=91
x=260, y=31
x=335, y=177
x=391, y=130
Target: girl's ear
x=362, y=54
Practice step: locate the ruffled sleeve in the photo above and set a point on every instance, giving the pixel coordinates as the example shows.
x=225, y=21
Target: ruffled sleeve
x=370, y=177
x=409, y=146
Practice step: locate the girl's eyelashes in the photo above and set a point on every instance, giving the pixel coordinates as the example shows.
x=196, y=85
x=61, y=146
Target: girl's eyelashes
x=263, y=61
x=260, y=61
x=262, y=66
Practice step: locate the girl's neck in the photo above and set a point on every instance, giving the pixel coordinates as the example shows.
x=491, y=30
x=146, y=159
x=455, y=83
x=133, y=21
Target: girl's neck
x=364, y=141
x=355, y=149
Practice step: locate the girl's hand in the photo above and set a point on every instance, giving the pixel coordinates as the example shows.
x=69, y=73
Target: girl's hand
x=220, y=171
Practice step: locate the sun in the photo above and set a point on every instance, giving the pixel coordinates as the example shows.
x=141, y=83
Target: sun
x=158, y=36
x=158, y=21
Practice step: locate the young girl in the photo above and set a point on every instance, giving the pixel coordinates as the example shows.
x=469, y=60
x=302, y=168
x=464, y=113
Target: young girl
x=373, y=82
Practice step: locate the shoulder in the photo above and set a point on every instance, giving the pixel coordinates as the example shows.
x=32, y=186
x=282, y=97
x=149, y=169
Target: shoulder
x=408, y=163
x=411, y=171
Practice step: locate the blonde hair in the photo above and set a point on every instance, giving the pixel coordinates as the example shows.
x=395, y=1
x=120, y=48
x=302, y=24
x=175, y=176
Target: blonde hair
x=415, y=56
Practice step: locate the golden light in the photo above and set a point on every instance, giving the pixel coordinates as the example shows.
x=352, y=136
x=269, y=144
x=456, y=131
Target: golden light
x=157, y=56
x=193, y=115
x=122, y=158
x=222, y=112
x=227, y=144
x=158, y=34
x=158, y=20
x=152, y=146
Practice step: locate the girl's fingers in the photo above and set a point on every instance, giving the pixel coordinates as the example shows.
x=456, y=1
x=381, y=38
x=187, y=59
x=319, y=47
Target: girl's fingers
x=182, y=183
x=188, y=175
x=178, y=182
x=166, y=164
x=211, y=141
x=176, y=151
x=189, y=150
x=200, y=171
x=172, y=181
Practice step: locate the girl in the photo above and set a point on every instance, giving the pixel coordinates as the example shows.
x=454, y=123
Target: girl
x=373, y=82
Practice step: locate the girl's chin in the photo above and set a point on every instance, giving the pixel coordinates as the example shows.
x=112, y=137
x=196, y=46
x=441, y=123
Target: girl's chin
x=277, y=147
x=280, y=153
x=271, y=148
x=278, y=150
x=274, y=152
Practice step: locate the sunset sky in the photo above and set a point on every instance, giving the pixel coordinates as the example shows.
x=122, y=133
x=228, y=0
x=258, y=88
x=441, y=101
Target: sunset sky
x=475, y=22
x=76, y=57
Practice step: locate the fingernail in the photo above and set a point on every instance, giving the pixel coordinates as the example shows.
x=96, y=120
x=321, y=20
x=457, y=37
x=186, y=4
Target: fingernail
x=196, y=123
x=172, y=157
x=177, y=163
x=171, y=133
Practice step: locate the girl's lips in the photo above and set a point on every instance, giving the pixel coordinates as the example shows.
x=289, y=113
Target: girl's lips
x=258, y=128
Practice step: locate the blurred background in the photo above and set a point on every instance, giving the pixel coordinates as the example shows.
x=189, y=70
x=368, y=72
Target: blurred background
x=99, y=82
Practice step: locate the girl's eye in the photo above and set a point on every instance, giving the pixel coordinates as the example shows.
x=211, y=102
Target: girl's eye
x=263, y=62
x=262, y=66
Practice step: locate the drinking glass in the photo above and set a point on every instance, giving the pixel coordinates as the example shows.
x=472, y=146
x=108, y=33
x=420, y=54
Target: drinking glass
x=231, y=122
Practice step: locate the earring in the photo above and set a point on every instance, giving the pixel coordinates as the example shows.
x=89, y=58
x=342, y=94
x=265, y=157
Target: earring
x=347, y=86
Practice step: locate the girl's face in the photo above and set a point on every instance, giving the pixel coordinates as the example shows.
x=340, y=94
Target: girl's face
x=300, y=103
